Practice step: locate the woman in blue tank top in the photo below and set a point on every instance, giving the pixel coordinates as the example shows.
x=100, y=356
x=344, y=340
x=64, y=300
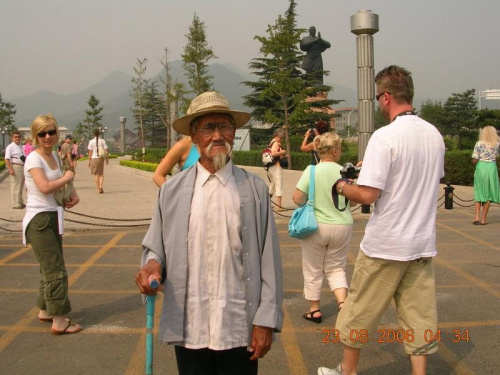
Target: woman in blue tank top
x=184, y=153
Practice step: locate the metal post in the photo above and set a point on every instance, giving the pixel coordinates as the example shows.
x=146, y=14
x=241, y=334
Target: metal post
x=364, y=24
x=448, y=196
x=123, y=120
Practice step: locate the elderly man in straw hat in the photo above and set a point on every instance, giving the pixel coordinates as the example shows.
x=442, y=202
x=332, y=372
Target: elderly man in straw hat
x=213, y=245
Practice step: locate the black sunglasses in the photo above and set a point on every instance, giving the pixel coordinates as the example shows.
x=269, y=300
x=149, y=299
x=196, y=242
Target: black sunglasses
x=49, y=132
x=382, y=93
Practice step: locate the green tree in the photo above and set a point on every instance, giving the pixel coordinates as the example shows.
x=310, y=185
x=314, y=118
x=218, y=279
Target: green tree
x=154, y=109
x=174, y=95
x=433, y=112
x=138, y=92
x=487, y=117
x=460, y=110
x=93, y=119
x=279, y=96
x=196, y=55
x=7, y=112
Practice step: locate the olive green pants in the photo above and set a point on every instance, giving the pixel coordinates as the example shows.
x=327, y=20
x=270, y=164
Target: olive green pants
x=43, y=234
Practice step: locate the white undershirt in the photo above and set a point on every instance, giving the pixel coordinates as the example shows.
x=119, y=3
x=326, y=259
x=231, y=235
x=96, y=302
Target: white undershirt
x=216, y=316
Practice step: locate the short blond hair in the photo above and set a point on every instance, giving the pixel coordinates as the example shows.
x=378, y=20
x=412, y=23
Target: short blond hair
x=325, y=143
x=40, y=123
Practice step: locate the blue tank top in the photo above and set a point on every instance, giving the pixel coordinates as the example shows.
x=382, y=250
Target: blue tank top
x=192, y=158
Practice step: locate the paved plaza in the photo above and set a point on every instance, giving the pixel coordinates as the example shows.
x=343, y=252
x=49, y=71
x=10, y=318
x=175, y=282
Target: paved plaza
x=102, y=257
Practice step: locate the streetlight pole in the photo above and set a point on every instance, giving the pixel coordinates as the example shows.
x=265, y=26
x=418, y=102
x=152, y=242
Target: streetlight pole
x=123, y=120
x=349, y=122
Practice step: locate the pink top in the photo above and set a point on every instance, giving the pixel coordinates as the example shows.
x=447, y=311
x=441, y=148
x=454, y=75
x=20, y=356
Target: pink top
x=27, y=148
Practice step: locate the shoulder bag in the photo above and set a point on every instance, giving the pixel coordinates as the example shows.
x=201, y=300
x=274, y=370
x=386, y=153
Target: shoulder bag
x=303, y=221
x=63, y=195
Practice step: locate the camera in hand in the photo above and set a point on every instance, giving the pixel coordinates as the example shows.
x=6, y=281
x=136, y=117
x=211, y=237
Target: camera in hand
x=350, y=171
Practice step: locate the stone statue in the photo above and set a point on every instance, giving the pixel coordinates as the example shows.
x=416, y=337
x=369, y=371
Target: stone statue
x=313, y=46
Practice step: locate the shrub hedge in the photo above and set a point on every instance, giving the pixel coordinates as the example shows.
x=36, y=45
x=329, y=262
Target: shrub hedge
x=2, y=165
x=150, y=167
x=458, y=166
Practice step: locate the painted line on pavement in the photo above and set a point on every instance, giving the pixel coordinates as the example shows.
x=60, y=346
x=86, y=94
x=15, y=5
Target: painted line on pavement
x=26, y=320
x=294, y=358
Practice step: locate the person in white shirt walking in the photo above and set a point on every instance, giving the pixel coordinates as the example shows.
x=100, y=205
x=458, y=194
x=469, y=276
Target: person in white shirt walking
x=14, y=159
x=213, y=245
x=98, y=152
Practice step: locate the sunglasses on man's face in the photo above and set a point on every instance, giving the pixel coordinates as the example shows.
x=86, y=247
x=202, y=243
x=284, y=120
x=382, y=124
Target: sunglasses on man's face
x=49, y=132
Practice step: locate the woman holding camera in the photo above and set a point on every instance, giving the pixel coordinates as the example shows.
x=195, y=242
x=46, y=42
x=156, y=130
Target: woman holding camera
x=321, y=127
x=324, y=252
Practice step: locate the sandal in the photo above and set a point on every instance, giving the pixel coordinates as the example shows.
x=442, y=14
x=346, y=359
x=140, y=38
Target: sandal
x=65, y=330
x=310, y=316
x=340, y=305
x=476, y=222
x=483, y=223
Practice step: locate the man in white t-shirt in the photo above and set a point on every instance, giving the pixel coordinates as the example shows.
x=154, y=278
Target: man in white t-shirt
x=14, y=160
x=403, y=164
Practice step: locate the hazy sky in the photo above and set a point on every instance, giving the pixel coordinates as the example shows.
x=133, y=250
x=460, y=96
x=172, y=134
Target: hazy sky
x=64, y=46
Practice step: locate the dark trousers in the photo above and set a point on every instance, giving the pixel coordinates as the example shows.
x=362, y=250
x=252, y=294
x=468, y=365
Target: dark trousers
x=215, y=362
x=43, y=234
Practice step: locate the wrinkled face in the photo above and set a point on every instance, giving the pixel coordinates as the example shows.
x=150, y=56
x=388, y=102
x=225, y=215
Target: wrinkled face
x=214, y=135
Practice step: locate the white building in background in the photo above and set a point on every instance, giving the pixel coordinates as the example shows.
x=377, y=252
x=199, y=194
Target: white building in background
x=26, y=132
x=346, y=117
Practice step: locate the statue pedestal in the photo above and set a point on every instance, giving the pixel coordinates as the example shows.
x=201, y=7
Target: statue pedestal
x=320, y=96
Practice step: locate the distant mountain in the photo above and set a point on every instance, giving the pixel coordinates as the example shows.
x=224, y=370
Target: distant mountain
x=113, y=93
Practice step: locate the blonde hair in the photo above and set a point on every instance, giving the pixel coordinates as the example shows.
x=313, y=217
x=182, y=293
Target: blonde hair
x=40, y=123
x=326, y=143
x=27, y=139
x=489, y=135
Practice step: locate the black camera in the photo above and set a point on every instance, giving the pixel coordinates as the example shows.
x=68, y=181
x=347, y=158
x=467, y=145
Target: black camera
x=350, y=171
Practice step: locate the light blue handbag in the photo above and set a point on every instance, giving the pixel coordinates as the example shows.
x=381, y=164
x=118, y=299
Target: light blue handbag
x=303, y=221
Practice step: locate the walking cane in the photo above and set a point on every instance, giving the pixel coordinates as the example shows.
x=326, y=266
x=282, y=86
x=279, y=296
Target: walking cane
x=150, y=315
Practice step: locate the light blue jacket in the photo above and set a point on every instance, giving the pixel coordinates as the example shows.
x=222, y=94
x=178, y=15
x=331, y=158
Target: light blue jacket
x=166, y=241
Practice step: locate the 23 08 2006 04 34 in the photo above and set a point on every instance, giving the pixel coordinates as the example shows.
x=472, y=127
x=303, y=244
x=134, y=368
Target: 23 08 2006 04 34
x=389, y=335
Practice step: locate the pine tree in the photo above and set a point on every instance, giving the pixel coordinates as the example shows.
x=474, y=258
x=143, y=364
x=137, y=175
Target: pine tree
x=196, y=55
x=174, y=94
x=154, y=109
x=138, y=93
x=279, y=96
x=93, y=119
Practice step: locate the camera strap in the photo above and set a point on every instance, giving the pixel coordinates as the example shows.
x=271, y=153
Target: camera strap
x=405, y=113
x=335, y=195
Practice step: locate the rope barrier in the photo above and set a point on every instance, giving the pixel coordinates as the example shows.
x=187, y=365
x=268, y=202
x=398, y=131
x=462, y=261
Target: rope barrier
x=10, y=221
x=108, y=225
x=104, y=218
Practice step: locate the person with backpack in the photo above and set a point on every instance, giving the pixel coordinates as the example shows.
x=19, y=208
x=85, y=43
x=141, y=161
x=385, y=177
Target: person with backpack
x=275, y=171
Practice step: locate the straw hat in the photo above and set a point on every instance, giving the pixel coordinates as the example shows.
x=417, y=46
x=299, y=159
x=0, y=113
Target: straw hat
x=204, y=104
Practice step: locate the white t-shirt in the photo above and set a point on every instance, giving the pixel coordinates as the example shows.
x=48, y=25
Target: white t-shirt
x=405, y=160
x=93, y=147
x=13, y=153
x=37, y=201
